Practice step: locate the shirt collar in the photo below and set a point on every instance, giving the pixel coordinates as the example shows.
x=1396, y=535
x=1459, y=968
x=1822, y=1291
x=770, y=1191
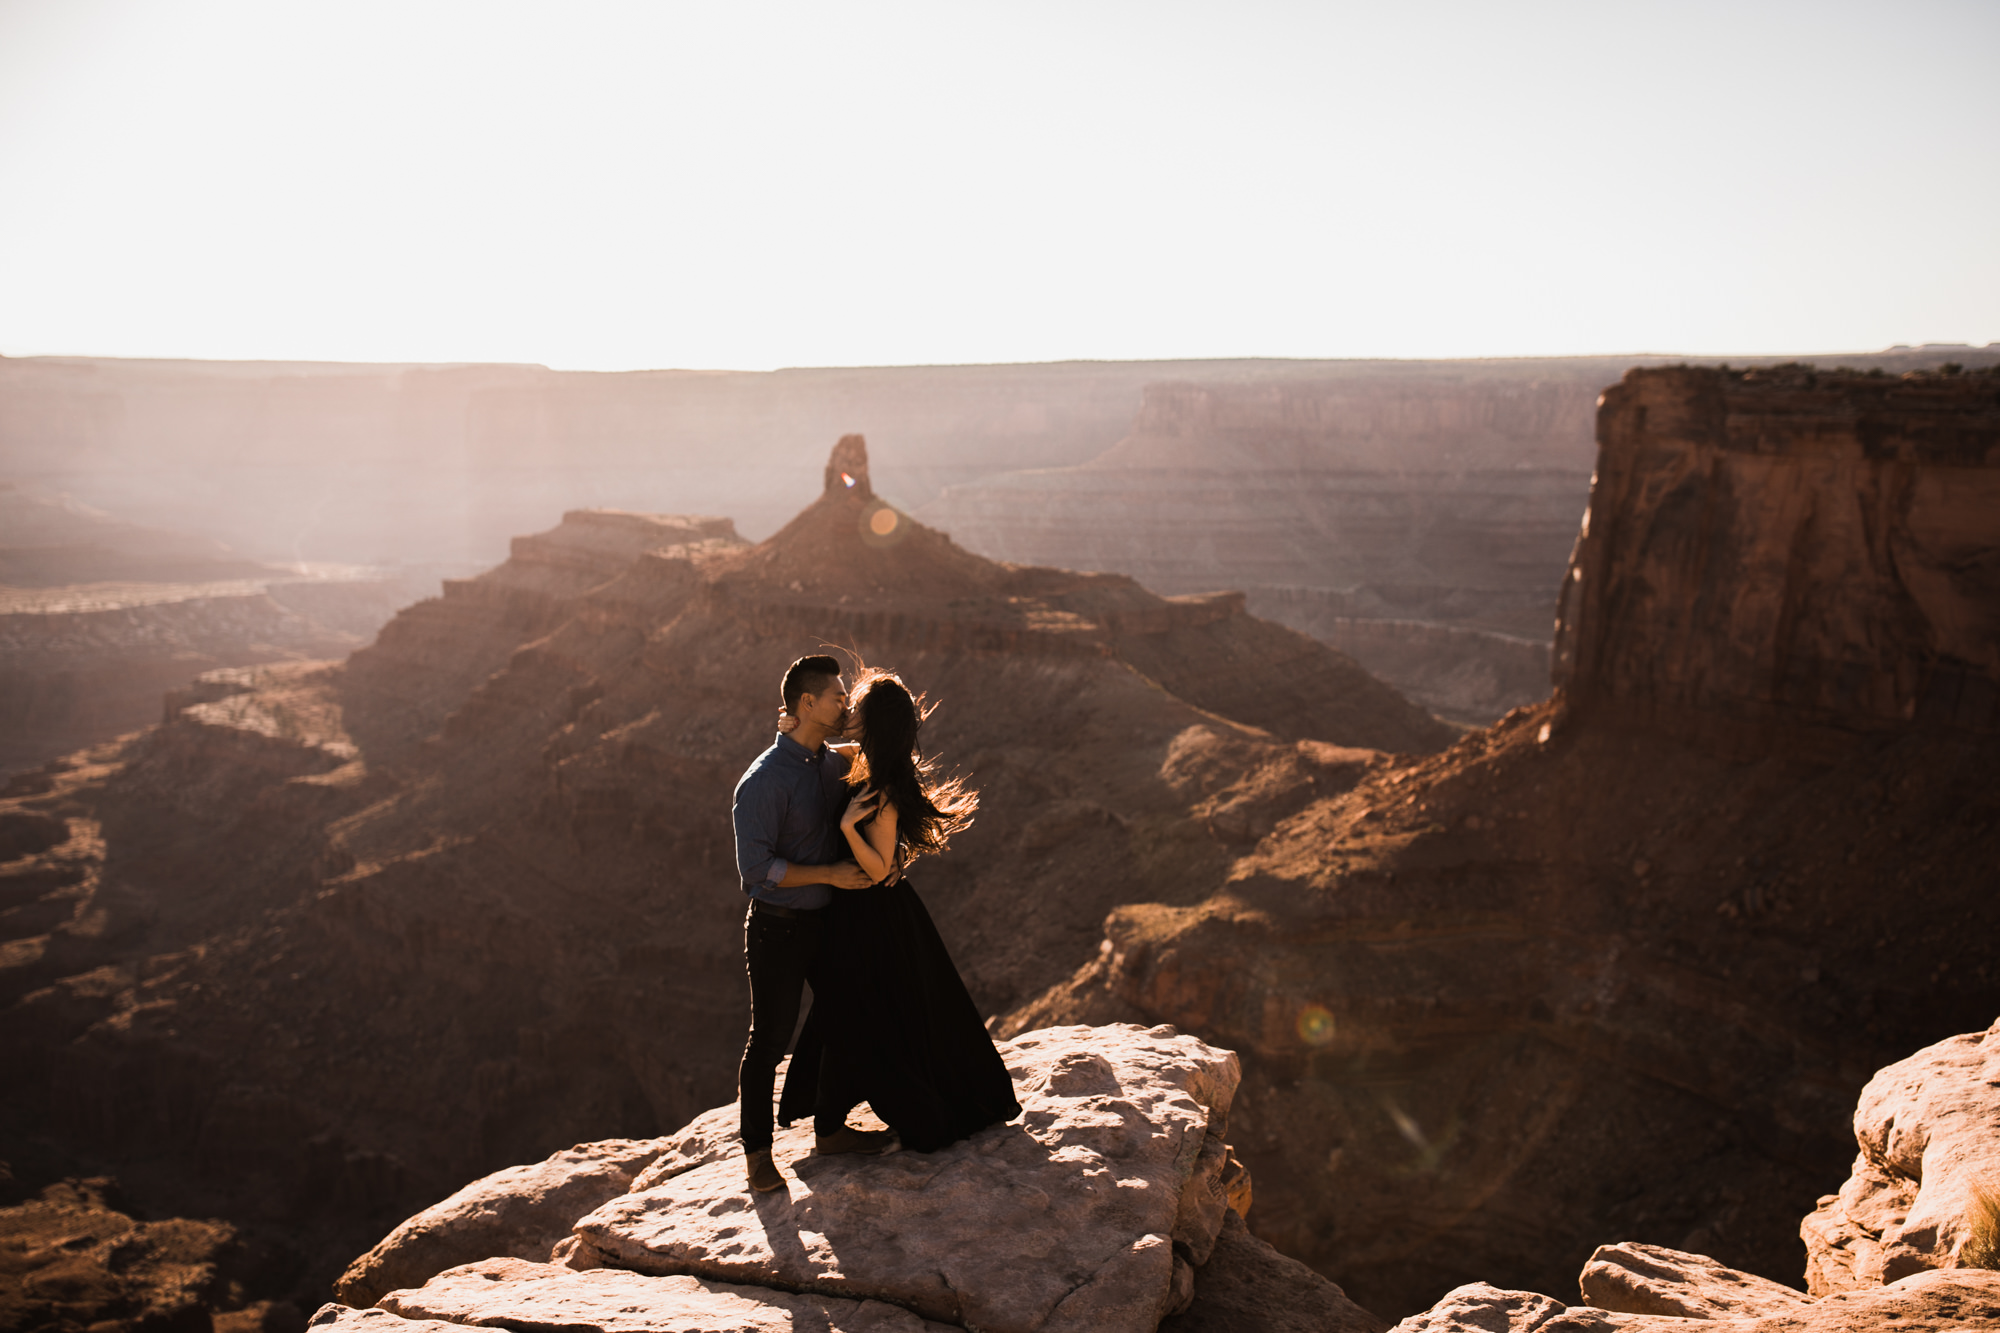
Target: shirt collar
x=792, y=747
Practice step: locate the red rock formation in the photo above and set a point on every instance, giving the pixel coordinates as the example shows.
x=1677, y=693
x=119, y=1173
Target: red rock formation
x=334, y=940
x=1791, y=546
x=1443, y=492
x=1619, y=965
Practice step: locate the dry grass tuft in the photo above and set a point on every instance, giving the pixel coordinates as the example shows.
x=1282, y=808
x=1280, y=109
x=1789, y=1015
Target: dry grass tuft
x=1982, y=1217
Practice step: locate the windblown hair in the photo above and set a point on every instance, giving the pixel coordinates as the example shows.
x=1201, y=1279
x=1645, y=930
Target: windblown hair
x=808, y=675
x=929, y=810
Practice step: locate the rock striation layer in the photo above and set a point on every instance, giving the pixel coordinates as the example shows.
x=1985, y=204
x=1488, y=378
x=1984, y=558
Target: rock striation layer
x=1448, y=495
x=1791, y=547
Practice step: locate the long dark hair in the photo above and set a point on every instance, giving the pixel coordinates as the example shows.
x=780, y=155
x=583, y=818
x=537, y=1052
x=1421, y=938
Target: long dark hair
x=929, y=810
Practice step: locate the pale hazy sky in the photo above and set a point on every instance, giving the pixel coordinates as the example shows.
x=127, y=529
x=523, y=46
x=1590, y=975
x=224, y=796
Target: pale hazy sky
x=757, y=185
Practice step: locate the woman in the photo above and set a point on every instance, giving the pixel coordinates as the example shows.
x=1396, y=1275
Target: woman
x=892, y=1018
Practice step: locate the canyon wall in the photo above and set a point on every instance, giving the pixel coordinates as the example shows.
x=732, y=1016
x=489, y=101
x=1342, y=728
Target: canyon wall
x=1791, y=546
x=1618, y=966
x=1425, y=493
x=1440, y=493
x=1415, y=481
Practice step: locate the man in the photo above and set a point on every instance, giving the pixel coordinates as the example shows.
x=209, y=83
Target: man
x=791, y=854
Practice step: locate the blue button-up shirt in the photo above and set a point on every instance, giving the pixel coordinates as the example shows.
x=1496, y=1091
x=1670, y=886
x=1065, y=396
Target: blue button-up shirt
x=787, y=811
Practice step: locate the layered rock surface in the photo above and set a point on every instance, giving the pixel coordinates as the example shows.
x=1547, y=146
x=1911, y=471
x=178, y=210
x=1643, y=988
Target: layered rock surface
x=1106, y=1205
x=1791, y=546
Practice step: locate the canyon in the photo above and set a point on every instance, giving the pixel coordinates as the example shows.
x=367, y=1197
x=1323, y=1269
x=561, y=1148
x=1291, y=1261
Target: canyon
x=335, y=939
x=1618, y=963
x=1415, y=515
x=362, y=931
x=99, y=619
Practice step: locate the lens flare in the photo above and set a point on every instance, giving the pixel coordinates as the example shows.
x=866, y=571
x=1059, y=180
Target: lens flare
x=1315, y=1025
x=847, y=481
x=882, y=524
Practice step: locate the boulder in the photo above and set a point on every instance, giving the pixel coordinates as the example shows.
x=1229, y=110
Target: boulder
x=1087, y=1213
x=1929, y=1132
x=1479, y=1307
x=520, y=1212
x=515, y=1294
x=1955, y=1301
x=1951, y=1301
x=333, y=1318
x=1248, y=1287
x=1651, y=1279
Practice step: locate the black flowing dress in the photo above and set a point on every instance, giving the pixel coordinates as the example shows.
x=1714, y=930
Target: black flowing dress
x=892, y=1022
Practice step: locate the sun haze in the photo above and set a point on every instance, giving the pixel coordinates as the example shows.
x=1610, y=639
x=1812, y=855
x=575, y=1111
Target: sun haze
x=629, y=185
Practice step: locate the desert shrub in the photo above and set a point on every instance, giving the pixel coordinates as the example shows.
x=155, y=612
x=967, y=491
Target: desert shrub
x=1982, y=1217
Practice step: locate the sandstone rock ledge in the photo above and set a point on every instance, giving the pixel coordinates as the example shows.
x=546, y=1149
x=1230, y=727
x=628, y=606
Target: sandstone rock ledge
x=1929, y=1132
x=1095, y=1210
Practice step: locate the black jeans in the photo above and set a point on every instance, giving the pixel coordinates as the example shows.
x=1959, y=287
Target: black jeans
x=781, y=954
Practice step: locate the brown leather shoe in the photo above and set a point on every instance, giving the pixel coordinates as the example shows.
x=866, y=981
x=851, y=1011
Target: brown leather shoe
x=764, y=1175
x=849, y=1139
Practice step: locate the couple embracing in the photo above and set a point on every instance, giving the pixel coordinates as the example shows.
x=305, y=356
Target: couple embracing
x=824, y=833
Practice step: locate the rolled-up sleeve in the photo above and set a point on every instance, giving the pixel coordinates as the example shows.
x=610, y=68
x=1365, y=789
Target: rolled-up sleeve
x=758, y=813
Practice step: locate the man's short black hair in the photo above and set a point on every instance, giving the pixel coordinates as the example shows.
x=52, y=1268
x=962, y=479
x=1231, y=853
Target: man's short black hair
x=808, y=675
